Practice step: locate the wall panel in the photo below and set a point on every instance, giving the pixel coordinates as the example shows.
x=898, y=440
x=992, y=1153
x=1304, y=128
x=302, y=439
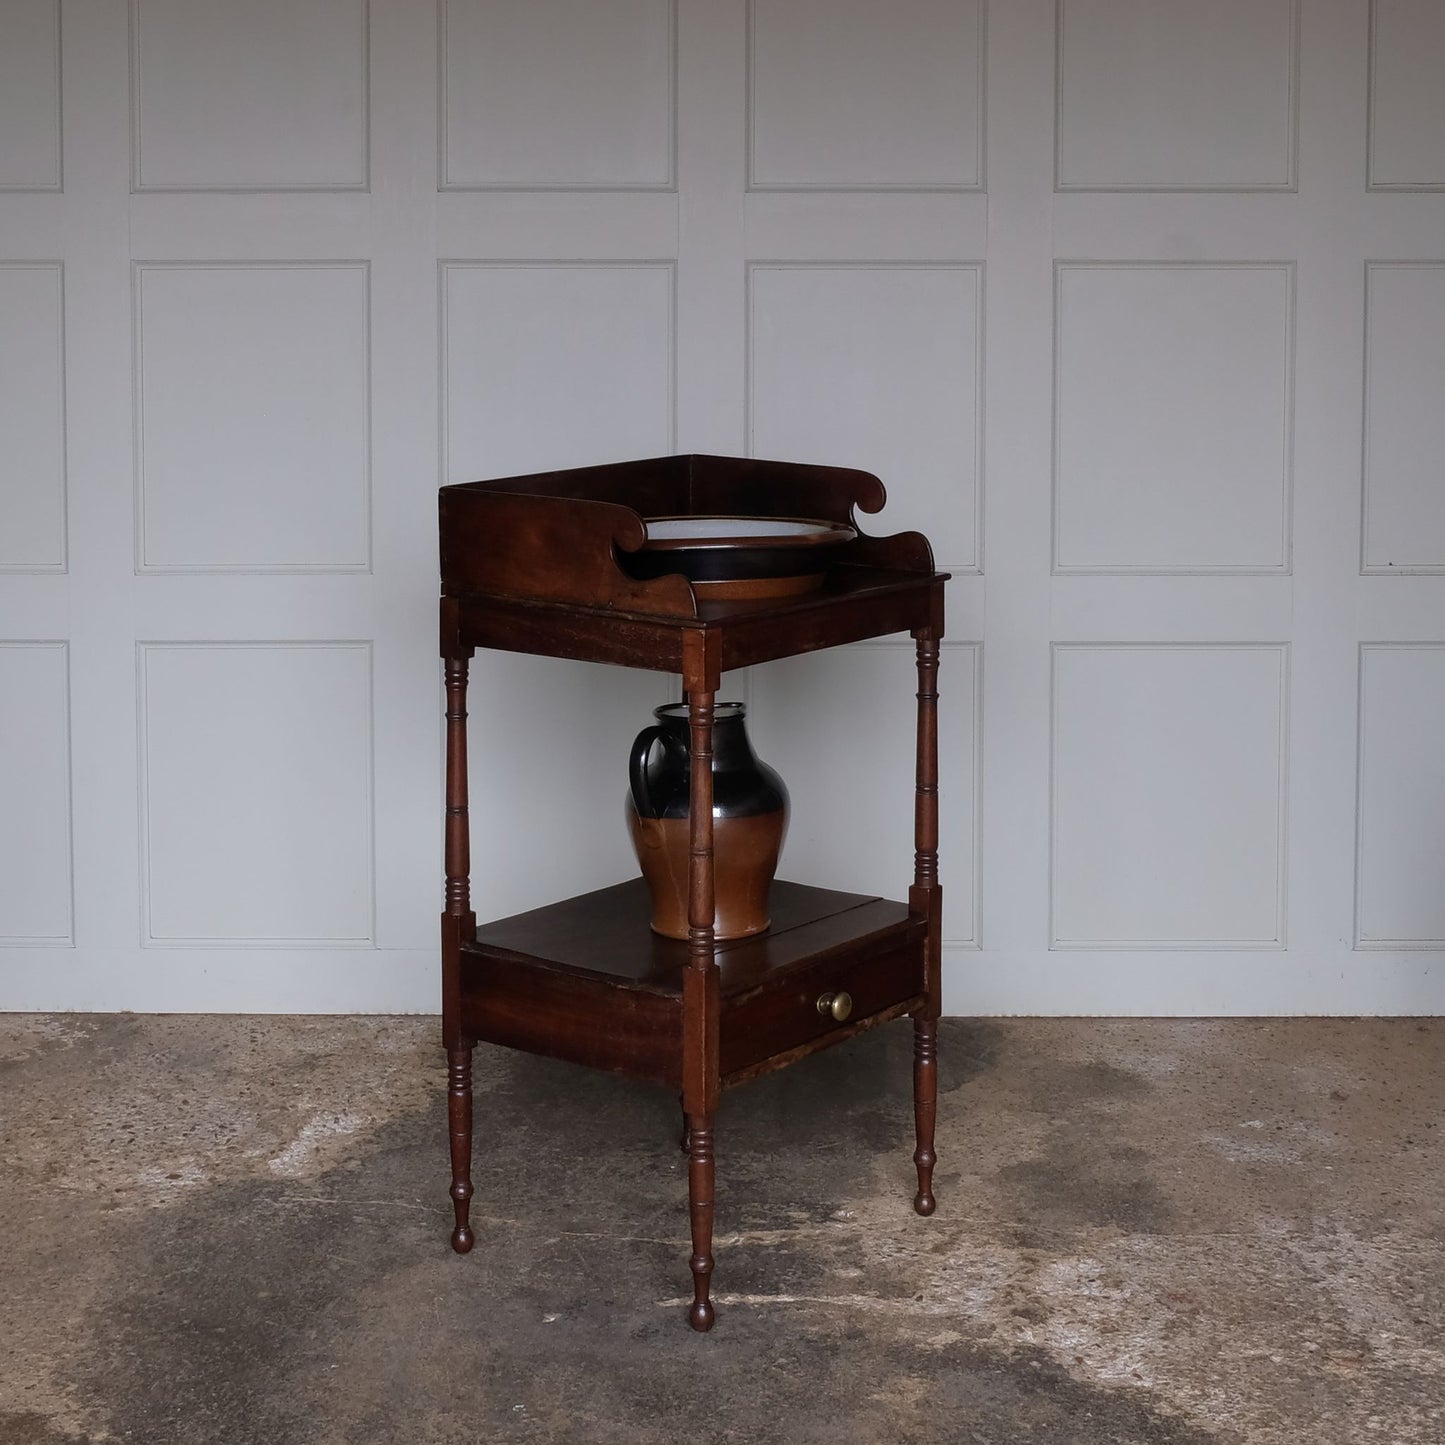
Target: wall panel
x=1142, y=87
x=256, y=788
x=855, y=96
x=35, y=814
x=1404, y=501
x=269, y=95
x=1173, y=417
x=252, y=417
x=30, y=95
x=32, y=418
x=1401, y=838
x=558, y=94
x=1407, y=101
x=1169, y=796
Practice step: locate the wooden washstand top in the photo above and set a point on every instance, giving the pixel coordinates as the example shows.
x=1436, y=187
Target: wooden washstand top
x=539, y=564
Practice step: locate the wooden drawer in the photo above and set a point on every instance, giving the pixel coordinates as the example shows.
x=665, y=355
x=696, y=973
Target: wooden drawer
x=781, y=1014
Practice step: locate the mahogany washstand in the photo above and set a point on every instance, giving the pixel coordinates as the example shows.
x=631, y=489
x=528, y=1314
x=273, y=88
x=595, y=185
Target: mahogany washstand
x=538, y=564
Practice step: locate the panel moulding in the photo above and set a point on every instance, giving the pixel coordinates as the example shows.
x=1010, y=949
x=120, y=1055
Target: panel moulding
x=1361, y=944
x=148, y=938
x=1287, y=382
x=139, y=269
x=139, y=185
x=1419, y=184
x=66, y=939
x=867, y=185
x=1166, y=946
x=1368, y=568
x=49, y=185
x=1288, y=182
x=61, y=565
x=445, y=182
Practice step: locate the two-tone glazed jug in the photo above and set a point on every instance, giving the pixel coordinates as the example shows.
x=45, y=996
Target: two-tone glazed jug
x=749, y=813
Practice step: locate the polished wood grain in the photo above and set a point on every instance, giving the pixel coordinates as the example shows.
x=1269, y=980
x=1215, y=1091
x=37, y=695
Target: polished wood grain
x=509, y=999
x=876, y=971
x=840, y=1034
x=700, y=1005
x=854, y=604
x=925, y=1106
x=604, y=936
x=756, y=487
x=508, y=545
x=459, y=1121
x=926, y=897
x=700, y=1190
x=585, y=980
x=458, y=854
x=458, y=922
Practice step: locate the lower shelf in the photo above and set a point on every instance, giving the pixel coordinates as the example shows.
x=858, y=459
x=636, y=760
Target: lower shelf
x=587, y=980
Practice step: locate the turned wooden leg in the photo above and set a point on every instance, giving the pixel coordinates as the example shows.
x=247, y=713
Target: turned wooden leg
x=699, y=1203
x=459, y=1117
x=459, y=923
x=701, y=1004
x=925, y=1104
x=925, y=899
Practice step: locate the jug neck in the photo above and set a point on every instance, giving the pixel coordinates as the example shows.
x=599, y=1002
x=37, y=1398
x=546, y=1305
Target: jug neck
x=730, y=745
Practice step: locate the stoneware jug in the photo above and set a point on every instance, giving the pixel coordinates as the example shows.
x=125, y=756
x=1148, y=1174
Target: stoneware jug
x=749, y=821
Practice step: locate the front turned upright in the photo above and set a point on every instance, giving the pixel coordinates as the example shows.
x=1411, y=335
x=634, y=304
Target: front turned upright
x=926, y=897
x=458, y=922
x=700, y=1007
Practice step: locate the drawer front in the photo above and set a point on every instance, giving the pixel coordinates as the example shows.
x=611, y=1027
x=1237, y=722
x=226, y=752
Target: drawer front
x=783, y=1015
x=582, y=1020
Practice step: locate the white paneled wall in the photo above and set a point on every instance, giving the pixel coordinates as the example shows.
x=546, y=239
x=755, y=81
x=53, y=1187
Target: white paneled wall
x=1137, y=307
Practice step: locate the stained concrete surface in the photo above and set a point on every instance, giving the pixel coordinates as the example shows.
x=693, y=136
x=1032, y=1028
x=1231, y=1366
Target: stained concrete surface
x=234, y=1230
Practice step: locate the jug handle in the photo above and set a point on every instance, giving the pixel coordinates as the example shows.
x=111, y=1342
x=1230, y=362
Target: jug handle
x=637, y=768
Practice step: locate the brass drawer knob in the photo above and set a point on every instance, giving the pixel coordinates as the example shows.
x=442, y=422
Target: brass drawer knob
x=836, y=1006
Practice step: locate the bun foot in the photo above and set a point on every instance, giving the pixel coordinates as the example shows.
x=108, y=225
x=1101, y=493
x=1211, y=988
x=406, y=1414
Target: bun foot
x=924, y=1204
x=463, y=1239
x=701, y=1316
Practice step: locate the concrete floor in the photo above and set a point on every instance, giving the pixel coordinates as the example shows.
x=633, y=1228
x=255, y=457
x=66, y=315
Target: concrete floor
x=234, y=1230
